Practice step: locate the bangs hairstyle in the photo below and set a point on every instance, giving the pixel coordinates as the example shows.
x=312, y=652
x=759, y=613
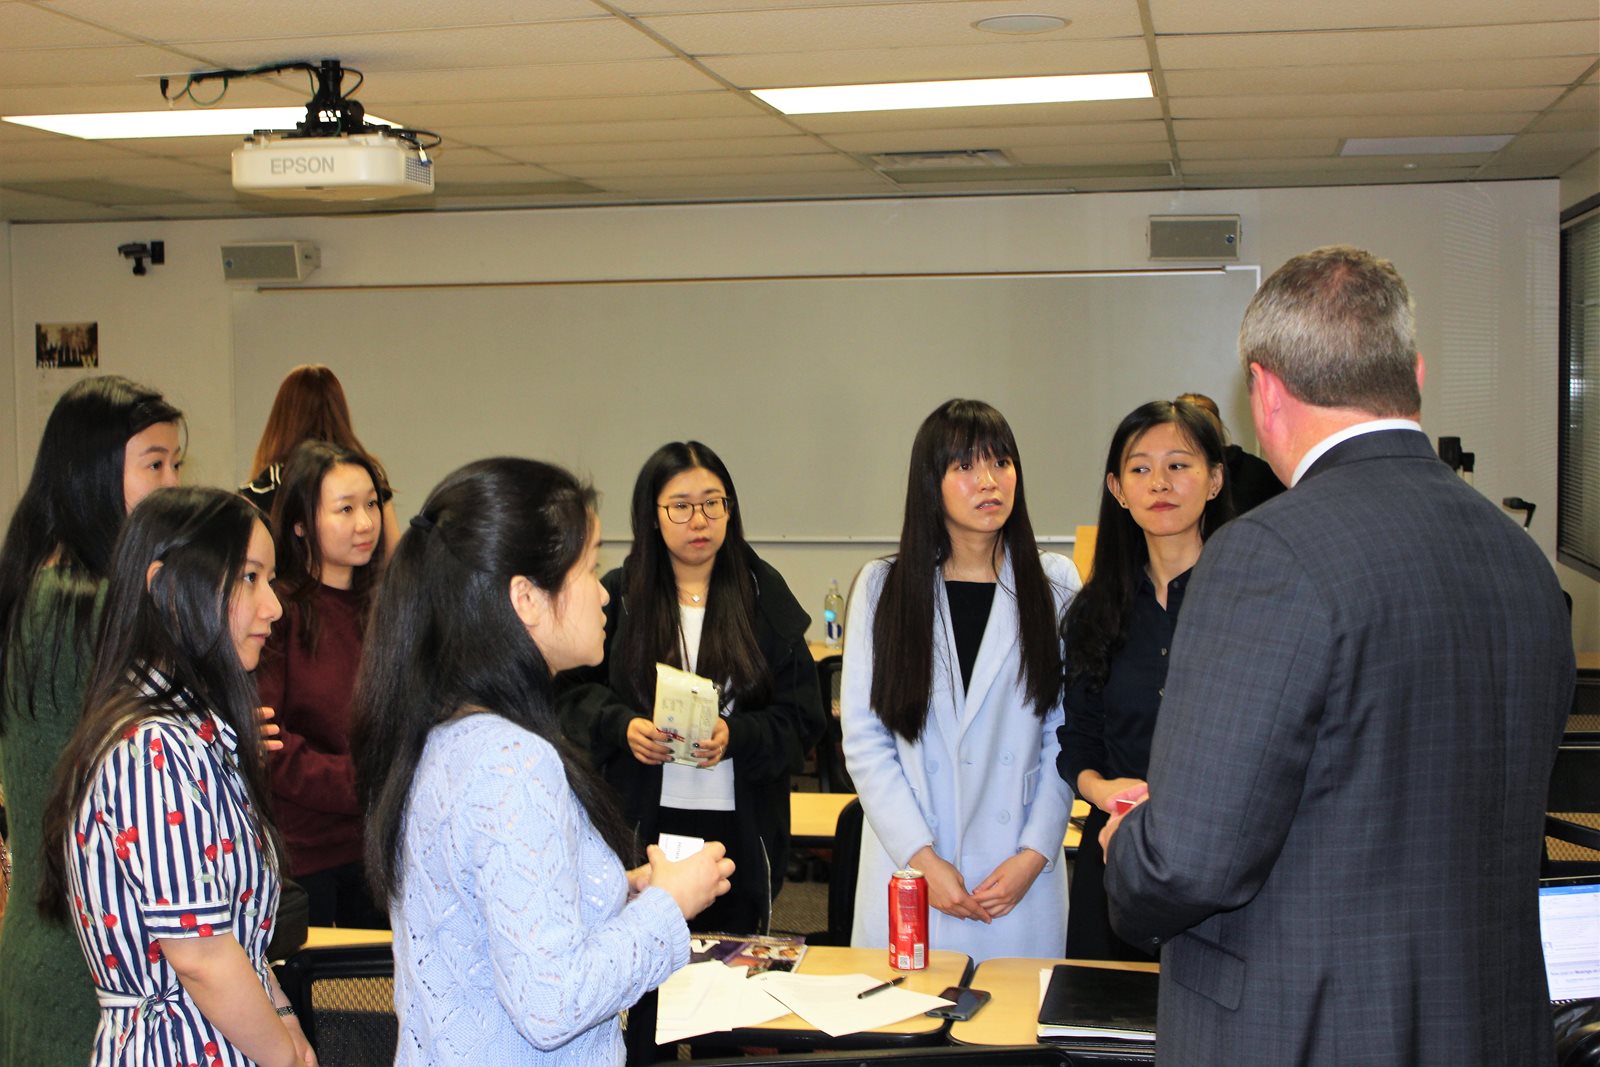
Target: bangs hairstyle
x=729, y=653
x=299, y=502
x=903, y=629
x=444, y=639
x=310, y=406
x=177, y=622
x=72, y=509
x=1096, y=625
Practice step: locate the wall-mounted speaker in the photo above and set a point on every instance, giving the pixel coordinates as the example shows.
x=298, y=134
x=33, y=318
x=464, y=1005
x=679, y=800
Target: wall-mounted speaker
x=270, y=261
x=1203, y=237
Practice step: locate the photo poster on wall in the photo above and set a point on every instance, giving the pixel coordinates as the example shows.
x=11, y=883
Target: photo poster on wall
x=811, y=389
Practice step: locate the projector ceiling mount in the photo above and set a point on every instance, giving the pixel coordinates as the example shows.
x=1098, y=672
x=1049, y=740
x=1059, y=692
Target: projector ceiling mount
x=330, y=112
x=334, y=153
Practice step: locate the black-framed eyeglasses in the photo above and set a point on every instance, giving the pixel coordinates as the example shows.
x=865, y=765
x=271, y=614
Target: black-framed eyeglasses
x=681, y=511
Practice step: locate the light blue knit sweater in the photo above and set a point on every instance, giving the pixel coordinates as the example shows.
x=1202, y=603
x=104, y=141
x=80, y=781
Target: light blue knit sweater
x=514, y=938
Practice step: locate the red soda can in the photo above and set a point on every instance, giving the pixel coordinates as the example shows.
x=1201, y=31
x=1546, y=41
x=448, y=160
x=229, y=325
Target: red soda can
x=908, y=920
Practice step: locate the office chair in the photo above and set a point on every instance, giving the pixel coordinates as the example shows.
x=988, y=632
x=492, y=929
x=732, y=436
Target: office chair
x=1572, y=819
x=832, y=777
x=345, y=1000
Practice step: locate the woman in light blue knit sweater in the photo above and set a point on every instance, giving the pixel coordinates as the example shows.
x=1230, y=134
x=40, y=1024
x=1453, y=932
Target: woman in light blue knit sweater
x=519, y=934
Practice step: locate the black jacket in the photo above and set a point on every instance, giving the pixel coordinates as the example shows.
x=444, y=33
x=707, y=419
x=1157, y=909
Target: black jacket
x=767, y=744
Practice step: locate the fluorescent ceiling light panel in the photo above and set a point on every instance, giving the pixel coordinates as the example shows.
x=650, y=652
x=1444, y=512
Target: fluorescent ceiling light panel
x=1424, y=146
x=978, y=92
x=214, y=122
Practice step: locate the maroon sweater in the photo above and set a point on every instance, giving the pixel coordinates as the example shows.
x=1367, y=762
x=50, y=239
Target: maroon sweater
x=313, y=776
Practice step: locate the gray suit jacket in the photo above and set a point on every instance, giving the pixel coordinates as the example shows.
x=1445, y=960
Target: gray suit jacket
x=1341, y=846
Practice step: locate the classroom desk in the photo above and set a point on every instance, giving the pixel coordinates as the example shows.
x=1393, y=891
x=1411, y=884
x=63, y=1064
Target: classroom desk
x=1589, y=662
x=813, y=816
x=820, y=650
x=945, y=968
x=345, y=937
x=1012, y=1016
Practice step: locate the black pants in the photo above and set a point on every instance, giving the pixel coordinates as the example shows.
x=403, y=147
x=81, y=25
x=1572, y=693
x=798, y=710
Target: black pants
x=746, y=907
x=1089, y=933
x=339, y=897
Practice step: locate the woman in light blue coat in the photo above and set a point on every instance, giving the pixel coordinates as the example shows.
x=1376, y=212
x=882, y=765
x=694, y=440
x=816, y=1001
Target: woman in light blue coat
x=951, y=698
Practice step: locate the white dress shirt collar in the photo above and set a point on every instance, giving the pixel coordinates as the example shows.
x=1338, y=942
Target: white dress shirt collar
x=1321, y=448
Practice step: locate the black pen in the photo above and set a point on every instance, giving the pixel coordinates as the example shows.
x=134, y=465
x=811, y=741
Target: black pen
x=880, y=987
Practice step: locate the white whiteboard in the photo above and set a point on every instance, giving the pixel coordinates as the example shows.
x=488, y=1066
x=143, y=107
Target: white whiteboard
x=810, y=389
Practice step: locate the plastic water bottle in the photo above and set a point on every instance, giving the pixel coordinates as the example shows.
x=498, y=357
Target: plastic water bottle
x=833, y=616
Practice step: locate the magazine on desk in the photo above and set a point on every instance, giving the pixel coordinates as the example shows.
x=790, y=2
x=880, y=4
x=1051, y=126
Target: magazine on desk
x=774, y=953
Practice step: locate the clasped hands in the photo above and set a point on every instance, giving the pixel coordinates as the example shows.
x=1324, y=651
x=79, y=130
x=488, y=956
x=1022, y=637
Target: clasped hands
x=649, y=745
x=995, y=896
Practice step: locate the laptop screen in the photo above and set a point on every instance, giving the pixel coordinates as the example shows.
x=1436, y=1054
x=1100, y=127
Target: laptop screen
x=1569, y=926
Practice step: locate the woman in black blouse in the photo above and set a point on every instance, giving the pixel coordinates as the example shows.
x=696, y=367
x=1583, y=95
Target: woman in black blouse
x=1164, y=494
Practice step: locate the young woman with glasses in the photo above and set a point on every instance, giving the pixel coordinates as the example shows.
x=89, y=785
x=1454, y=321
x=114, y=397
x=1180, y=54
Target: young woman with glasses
x=693, y=594
x=951, y=698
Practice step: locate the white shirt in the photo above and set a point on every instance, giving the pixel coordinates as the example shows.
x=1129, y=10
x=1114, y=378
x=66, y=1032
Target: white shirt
x=696, y=788
x=1321, y=448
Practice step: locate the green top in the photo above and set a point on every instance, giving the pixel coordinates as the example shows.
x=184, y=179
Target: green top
x=48, y=1011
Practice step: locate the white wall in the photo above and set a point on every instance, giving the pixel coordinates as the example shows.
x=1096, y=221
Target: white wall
x=1481, y=260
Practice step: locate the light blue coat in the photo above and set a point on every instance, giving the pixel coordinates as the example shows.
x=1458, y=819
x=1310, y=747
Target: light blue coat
x=978, y=785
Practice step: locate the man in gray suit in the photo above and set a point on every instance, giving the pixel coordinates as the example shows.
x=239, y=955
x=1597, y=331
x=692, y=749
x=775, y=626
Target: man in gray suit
x=1341, y=844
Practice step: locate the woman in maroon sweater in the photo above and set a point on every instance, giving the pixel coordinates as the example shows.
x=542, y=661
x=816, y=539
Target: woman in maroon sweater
x=328, y=522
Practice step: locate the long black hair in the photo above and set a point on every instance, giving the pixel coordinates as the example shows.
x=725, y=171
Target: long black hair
x=70, y=514
x=297, y=503
x=1096, y=626
x=175, y=622
x=444, y=637
x=903, y=628
x=729, y=653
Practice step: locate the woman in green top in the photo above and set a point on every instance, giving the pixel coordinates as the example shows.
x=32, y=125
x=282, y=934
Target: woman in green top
x=107, y=444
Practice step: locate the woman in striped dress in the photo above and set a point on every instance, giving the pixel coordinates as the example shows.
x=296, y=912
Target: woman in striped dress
x=167, y=865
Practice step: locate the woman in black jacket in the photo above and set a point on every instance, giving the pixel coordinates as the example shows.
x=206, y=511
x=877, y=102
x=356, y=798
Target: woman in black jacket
x=694, y=595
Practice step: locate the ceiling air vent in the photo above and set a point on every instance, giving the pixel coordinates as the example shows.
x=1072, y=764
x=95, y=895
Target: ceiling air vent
x=959, y=159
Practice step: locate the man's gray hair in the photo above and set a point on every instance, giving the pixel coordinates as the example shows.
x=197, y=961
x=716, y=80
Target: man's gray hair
x=1336, y=326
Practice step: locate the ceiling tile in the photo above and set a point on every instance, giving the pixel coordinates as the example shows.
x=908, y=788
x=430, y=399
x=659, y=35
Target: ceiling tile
x=1002, y=59
x=1378, y=46
x=33, y=26
x=1188, y=130
x=1581, y=141
x=172, y=20
x=1244, y=16
x=556, y=154
x=631, y=78
x=1107, y=111
x=125, y=65
x=1330, y=168
x=768, y=29
x=954, y=138
x=377, y=54
x=635, y=132
x=702, y=105
x=711, y=166
x=18, y=206
x=1418, y=102
x=1061, y=155
x=1370, y=77
x=759, y=186
x=1323, y=147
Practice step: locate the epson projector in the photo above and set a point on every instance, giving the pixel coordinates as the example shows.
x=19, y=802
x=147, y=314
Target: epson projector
x=357, y=166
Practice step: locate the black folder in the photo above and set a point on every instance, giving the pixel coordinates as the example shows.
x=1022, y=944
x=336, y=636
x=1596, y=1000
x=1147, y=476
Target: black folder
x=1097, y=1004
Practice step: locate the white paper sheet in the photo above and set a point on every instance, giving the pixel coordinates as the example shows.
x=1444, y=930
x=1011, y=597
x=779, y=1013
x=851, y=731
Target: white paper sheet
x=704, y=998
x=678, y=847
x=829, y=1003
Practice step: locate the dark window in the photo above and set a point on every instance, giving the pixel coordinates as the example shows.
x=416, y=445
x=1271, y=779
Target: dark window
x=1578, y=497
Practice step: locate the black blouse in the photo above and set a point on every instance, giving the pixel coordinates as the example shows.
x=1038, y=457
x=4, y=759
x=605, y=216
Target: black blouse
x=1110, y=731
x=969, y=616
